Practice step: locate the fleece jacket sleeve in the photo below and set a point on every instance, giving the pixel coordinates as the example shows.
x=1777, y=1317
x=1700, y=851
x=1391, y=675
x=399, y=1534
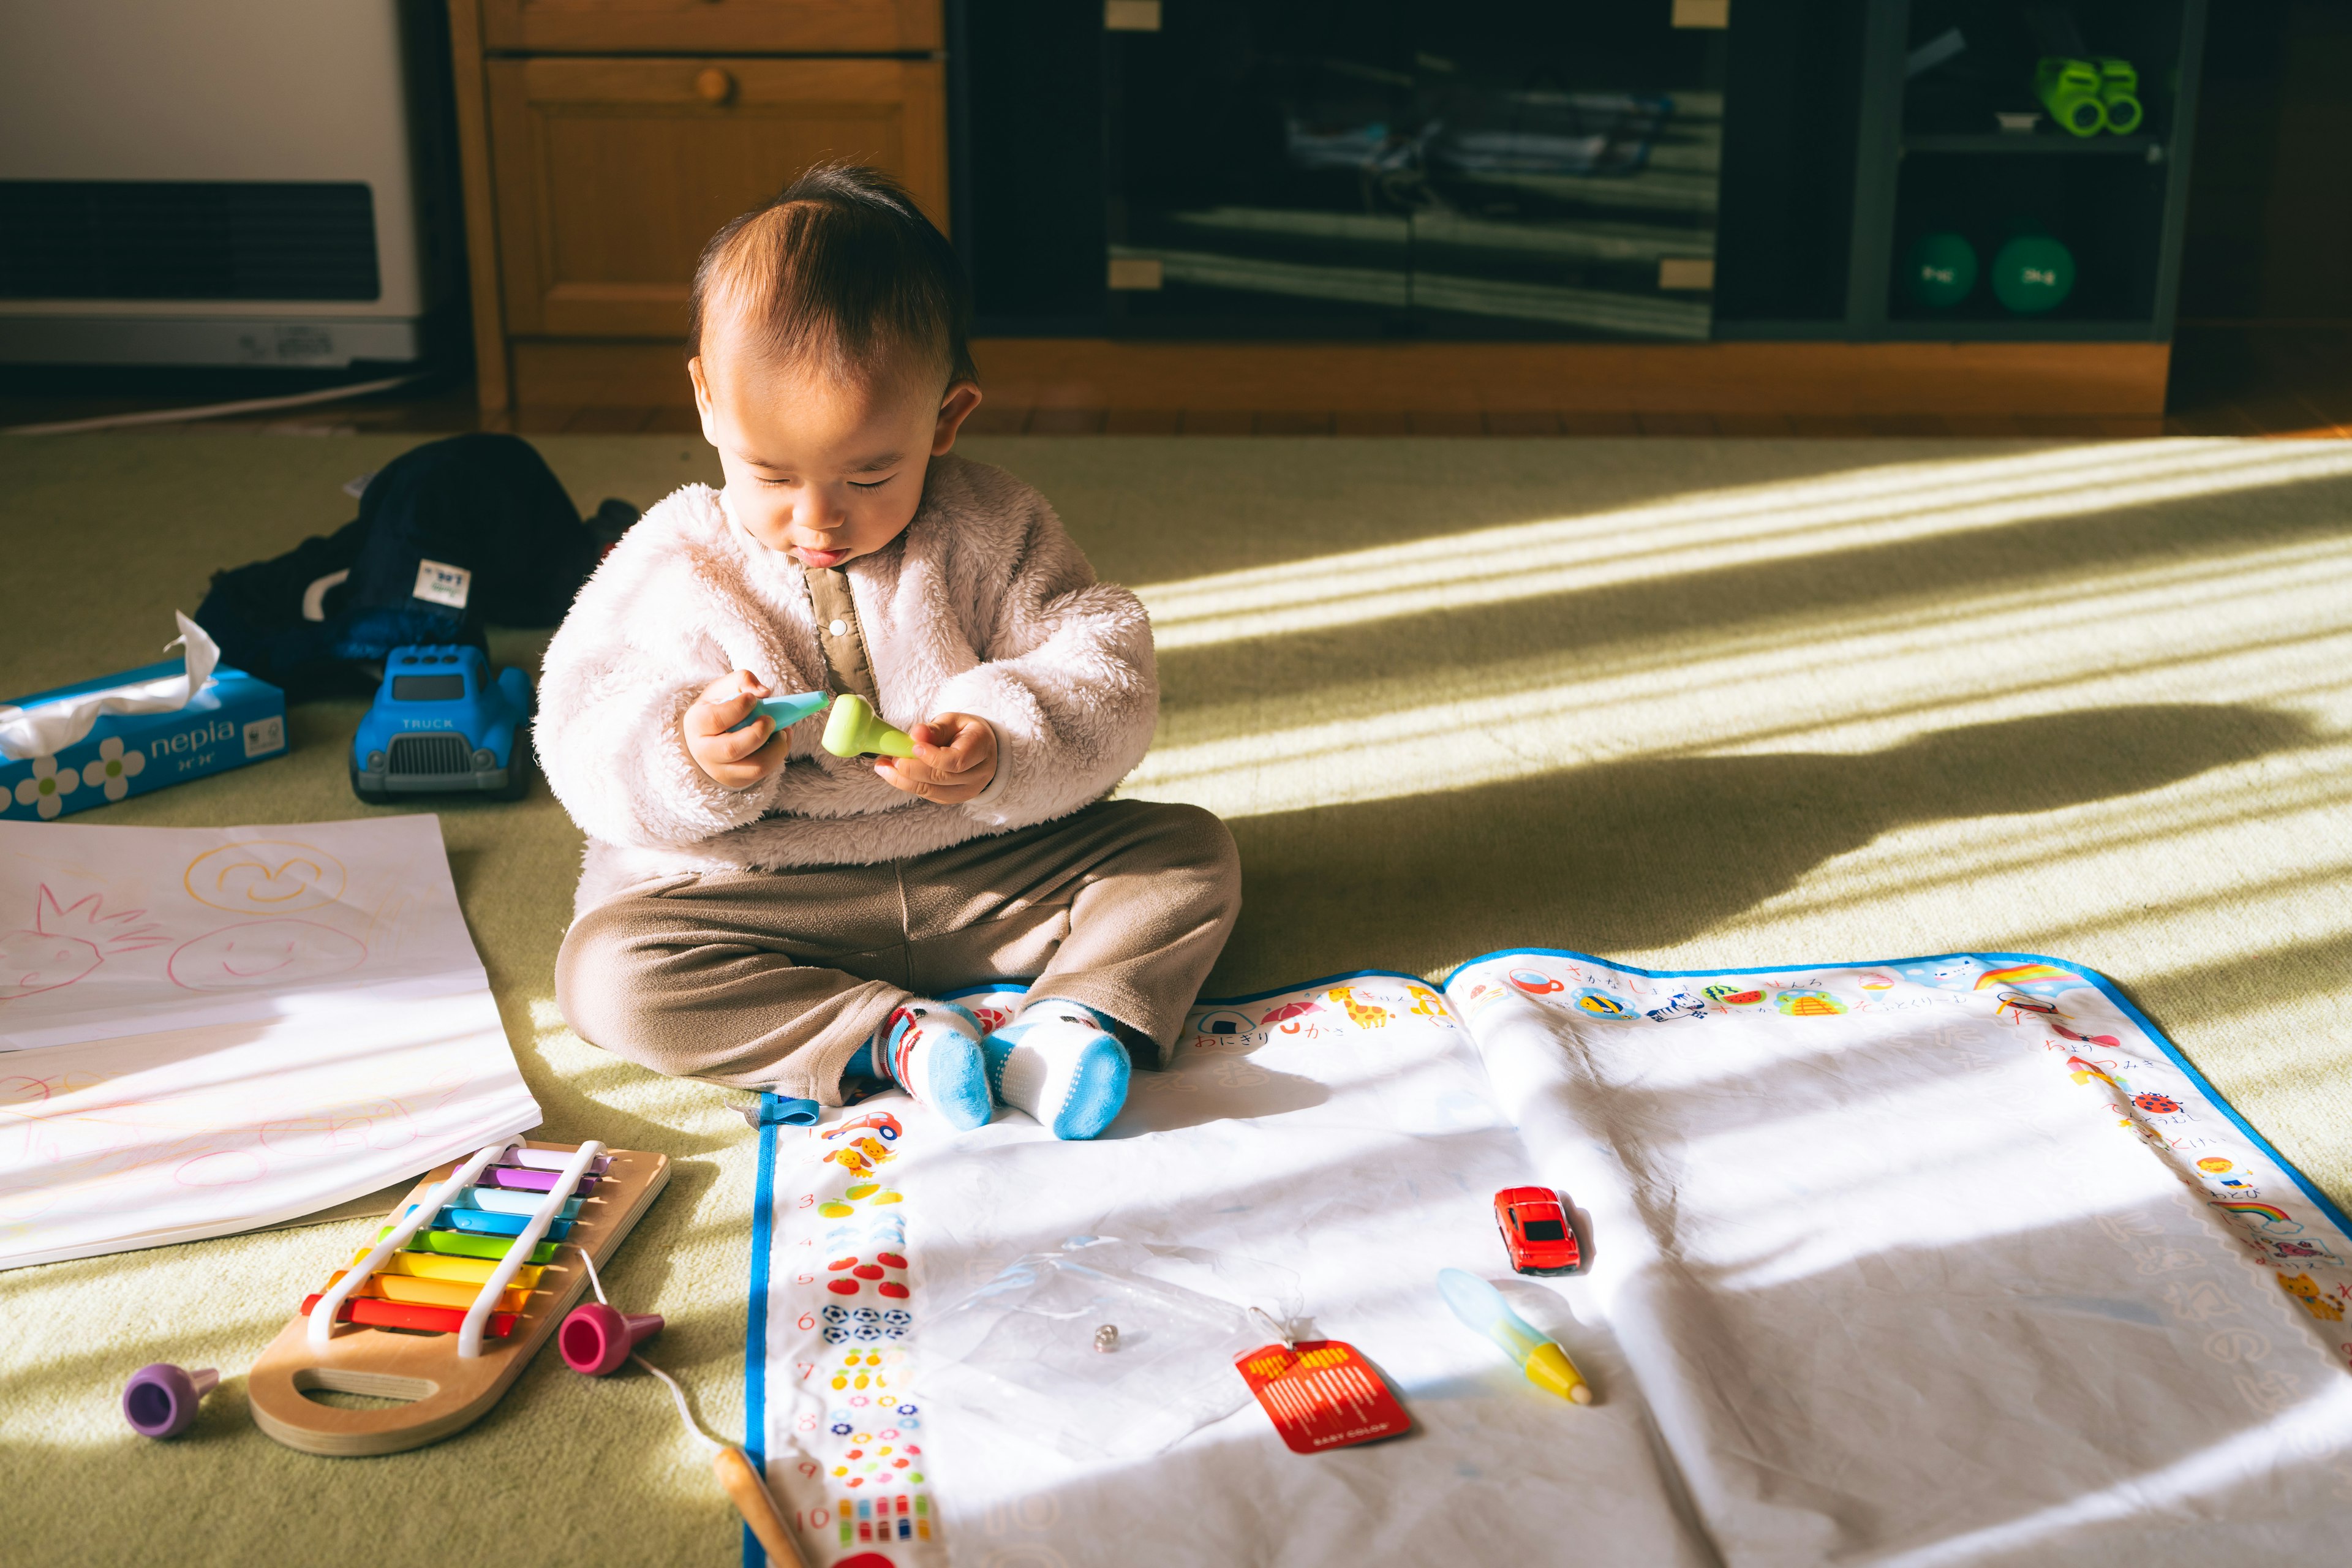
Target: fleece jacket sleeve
x=1067, y=680
x=630, y=657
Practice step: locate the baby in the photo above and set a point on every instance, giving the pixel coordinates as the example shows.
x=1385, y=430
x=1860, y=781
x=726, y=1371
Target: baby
x=755, y=912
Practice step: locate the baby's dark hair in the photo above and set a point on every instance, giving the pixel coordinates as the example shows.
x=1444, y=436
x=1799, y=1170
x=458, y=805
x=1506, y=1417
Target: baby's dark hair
x=840, y=272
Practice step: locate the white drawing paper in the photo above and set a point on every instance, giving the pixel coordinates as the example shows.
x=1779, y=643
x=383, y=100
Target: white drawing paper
x=206, y=1030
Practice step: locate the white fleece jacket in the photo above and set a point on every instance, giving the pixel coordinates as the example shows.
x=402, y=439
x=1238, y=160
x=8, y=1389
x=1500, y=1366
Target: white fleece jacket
x=984, y=606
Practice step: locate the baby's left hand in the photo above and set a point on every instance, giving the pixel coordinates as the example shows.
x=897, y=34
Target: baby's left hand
x=955, y=756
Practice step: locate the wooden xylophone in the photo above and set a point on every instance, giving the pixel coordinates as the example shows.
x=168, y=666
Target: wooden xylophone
x=470, y=1275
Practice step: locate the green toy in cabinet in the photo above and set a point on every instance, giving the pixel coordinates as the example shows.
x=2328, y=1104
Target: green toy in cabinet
x=2119, y=96
x=2033, y=272
x=1941, y=270
x=2069, y=90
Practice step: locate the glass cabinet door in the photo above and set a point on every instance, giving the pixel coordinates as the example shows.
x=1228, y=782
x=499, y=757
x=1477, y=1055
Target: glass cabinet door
x=1490, y=168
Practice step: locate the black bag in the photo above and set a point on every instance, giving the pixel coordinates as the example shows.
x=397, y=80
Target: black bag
x=452, y=537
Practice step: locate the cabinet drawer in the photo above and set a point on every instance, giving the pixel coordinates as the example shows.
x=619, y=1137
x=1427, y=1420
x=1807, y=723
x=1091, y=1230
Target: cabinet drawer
x=778, y=26
x=612, y=175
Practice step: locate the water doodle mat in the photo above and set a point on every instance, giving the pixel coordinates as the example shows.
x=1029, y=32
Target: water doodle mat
x=1940, y=1261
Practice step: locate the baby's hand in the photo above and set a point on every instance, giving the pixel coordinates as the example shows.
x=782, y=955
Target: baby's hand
x=955, y=756
x=741, y=759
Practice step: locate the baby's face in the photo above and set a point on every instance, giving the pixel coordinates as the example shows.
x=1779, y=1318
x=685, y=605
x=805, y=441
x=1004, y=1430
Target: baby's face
x=822, y=471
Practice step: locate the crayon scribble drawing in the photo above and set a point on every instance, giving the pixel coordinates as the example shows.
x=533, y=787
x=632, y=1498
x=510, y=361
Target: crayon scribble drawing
x=82, y=1150
x=208, y=1029
x=264, y=876
x=66, y=943
x=257, y=954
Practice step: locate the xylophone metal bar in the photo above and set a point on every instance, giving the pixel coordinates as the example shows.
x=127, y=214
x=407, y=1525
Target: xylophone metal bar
x=469, y=1337
x=331, y=1302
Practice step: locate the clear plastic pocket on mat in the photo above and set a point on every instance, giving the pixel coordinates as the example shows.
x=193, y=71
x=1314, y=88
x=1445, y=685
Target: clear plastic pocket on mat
x=1085, y=1351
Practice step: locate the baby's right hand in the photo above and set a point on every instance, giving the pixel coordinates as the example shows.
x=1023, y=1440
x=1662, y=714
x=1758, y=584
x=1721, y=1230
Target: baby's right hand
x=740, y=759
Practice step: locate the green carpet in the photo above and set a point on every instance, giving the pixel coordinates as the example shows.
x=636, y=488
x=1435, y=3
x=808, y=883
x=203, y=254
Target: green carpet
x=1687, y=703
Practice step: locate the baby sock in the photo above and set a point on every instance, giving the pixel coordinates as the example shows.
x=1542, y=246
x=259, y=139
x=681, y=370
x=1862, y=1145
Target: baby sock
x=1060, y=1062
x=931, y=1049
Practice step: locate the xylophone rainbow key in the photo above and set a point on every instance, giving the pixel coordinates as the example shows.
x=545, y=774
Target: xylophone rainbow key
x=485, y=1256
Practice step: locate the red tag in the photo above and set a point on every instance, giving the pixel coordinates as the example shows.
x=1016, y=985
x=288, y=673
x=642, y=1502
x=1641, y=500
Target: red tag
x=1322, y=1394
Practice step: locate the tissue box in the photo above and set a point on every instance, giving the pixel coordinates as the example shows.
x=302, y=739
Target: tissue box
x=233, y=720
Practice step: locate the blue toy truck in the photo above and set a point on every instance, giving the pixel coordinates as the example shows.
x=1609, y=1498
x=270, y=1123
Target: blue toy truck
x=441, y=725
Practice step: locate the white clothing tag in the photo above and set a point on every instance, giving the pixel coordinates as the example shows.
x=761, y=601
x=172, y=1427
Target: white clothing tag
x=439, y=583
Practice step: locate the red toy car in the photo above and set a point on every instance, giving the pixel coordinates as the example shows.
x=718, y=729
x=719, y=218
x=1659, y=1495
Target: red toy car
x=1536, y=1231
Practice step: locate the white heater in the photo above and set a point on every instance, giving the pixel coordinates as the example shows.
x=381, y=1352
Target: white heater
x=223, y=182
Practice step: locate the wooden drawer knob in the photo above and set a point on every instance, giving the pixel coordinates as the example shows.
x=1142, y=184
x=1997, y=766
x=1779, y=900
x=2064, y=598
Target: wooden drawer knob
x=715, y=85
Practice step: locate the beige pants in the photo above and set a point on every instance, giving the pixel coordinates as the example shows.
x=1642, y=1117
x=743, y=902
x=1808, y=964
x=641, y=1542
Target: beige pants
x=775, y=979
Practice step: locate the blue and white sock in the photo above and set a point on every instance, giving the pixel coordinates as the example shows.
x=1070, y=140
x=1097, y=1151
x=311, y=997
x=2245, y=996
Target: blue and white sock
x=1060, y=1062
x=932, y=1050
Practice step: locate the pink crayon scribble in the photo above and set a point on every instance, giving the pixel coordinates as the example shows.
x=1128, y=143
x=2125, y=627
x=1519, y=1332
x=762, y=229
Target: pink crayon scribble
x=259, y=954
x=65, y=944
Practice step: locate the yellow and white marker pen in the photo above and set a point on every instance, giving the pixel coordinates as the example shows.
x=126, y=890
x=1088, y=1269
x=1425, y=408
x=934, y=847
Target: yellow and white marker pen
x=1481, y=1306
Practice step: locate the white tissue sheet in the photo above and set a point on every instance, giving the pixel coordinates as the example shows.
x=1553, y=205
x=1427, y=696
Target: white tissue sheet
x=48, y=728
x=1881, y=1270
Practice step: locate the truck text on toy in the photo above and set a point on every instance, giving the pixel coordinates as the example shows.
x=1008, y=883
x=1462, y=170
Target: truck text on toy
x=441, y=724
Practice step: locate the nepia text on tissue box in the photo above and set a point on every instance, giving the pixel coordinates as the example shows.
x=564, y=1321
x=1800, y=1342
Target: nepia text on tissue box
x=236, y=719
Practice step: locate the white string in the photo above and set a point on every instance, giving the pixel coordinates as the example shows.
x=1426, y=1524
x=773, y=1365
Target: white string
x=675, y=1393
x=1281, y=1330
x=214, y=410
x=597, y=1284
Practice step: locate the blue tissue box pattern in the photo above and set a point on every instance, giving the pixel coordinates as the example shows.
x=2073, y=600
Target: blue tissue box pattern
x=237, y=719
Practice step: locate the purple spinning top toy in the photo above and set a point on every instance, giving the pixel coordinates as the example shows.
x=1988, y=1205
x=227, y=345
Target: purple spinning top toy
x=159, y=1401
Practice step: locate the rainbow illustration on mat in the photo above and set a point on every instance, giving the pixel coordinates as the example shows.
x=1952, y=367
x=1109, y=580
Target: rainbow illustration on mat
x=2025, y=974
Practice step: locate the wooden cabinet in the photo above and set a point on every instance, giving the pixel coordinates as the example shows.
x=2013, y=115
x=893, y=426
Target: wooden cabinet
x=612, y=175
x=751, y=26
x=594, y=180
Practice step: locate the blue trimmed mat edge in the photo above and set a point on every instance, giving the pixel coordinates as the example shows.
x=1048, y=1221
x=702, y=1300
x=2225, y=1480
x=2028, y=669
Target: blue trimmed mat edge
x=772, y=1112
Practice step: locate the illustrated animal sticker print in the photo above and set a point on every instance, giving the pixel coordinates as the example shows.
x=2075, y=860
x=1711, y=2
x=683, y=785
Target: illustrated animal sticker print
x=2306, y=1291
x=1360, y=1013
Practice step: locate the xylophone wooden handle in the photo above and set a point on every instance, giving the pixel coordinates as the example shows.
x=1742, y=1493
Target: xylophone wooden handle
x=757, y=1507
x=446, y=1392
x=435, y=1403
